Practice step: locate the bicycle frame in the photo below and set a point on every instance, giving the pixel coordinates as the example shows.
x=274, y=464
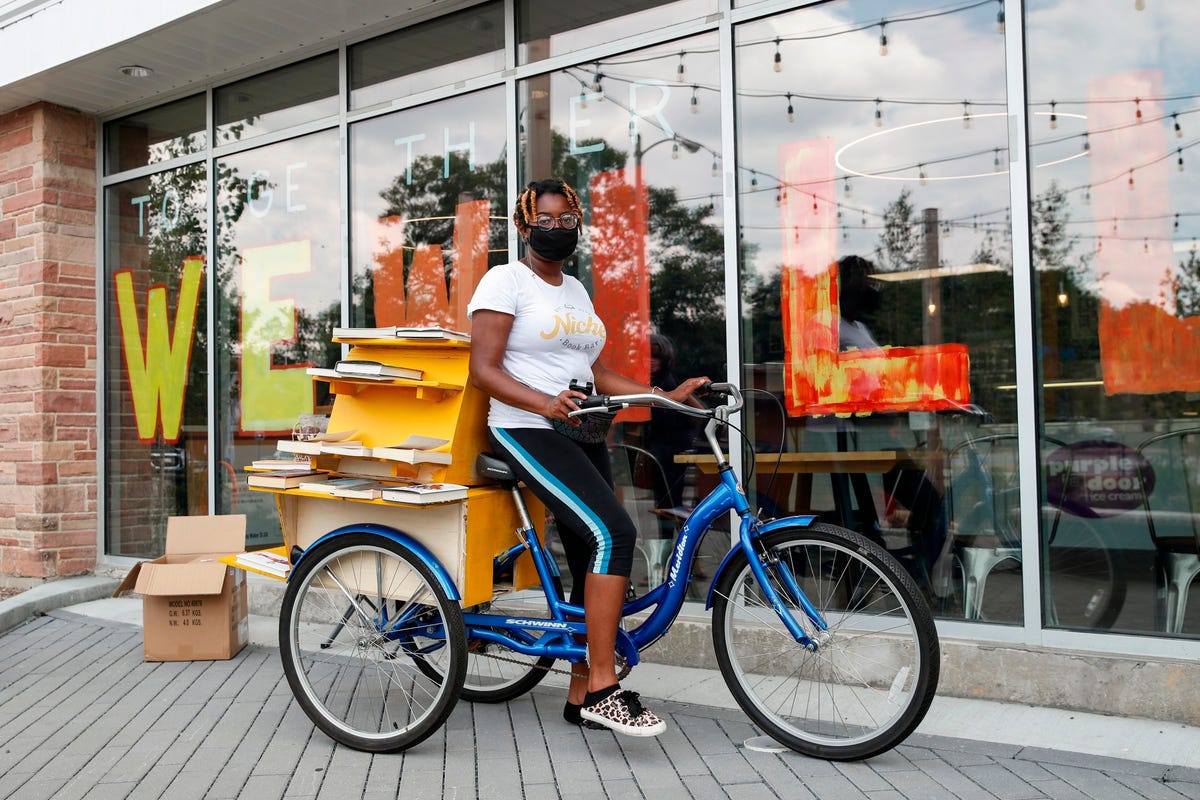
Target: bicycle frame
x=556, y=636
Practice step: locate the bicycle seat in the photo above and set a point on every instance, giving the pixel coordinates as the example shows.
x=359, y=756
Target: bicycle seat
x=491, y=467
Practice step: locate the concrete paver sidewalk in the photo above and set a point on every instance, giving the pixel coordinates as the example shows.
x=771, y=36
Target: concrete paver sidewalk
x=82, y=716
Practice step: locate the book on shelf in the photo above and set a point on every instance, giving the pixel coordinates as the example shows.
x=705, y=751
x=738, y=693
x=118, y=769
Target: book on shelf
x=367, y=368
x=265, y=561
x=300, y=448
x=410, y=455
x=367, y=490
x=325, y=374
x=332, y=484
x=418, y=442
x=421, y=493
x=286, y=478
x=354, y=448
x=281, y=464
x=401, y=332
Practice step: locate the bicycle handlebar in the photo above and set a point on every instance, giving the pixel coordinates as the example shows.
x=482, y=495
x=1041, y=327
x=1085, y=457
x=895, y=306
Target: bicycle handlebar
x=603, y=403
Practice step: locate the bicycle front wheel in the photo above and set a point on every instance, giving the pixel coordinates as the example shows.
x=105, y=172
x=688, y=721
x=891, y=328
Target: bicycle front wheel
x=360, y=617
x=874, y=672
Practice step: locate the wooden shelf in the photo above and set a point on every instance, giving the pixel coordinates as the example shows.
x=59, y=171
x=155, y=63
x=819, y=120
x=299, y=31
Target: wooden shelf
x=323, y=496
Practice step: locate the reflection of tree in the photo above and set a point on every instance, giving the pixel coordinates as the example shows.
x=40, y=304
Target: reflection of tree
x=899, y=245
x=1187, y=286
x=685, y=251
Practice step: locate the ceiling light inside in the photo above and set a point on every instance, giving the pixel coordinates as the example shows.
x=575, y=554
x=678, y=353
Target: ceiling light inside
x=135, y=71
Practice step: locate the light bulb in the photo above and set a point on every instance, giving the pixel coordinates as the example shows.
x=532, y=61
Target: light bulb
x=996, y=159
x=1131, y=180
x=966, y=116
x=1179, y=161
x=1087, y=144
x=679, y=72
x=846, y=189
x=675, y=150
x=1140, y=5
x=596, y=82
x=1063, y=300
x=753, y=178
x=582, y=98
x=695, y=101
x=1053, y=116
x=1178, y=129
x=878, y=115
x=778, y=58
x=1137, y=103
x=932, y=308
x=791, y=114
x=921, y=174
x=716, y=168
x=883, y=38
x=1000, y=18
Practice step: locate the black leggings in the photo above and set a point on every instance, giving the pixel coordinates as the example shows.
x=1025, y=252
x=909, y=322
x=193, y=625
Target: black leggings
x=574, y=480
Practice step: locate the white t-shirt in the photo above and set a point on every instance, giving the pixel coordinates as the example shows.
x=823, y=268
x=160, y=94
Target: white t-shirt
x=555, y=335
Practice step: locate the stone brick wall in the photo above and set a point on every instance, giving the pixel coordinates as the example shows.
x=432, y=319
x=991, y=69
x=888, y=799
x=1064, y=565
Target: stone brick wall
x=48, y=342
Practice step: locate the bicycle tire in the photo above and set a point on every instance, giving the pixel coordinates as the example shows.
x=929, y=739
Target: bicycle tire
x=1087, y=585
x=870, y=681
x=360, y=611
x=497, y=679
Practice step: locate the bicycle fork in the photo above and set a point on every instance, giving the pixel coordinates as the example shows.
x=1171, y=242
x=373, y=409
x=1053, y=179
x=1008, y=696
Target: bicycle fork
x=759, y=565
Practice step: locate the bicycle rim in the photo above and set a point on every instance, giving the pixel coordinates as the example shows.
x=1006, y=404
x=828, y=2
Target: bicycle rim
x=359, y=617
x=874, y=673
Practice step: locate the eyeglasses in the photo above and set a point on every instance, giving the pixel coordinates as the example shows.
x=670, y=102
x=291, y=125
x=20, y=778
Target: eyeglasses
x=568, y=220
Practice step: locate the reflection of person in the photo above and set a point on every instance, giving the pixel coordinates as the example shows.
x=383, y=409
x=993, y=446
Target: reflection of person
x=912, y=501
x=525, y=355
x=858, y=297
x=665, y=435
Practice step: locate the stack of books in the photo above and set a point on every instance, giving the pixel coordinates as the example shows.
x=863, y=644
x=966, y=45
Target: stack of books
x=287, y=478
x=424, y=493
x=400, y=332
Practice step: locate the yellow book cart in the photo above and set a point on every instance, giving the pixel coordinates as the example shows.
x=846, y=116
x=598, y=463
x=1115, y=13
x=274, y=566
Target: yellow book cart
x=464, y=535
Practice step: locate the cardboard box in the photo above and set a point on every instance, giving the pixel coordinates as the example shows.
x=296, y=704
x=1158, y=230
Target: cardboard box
x=193, y=606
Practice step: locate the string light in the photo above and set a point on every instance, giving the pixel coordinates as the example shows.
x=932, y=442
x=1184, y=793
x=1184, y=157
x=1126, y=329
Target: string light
x=1130, y=186
x=1176, y=228
x=1178, y=129
x=675, y=150
x=1145, y=244
x=754, y=180
x=883, y=37
x=815, y=209
x=778, y=197
x=921, y=174
x=582, y=98
x=679, y=72
x=1063, y=300
x=996, y=159
x=791, y=112
x=1053, y=116
x=846, y=189
x=1137, y=104
x=966, y=115
x=1179, y=159
x=778, y=57
x=840, y=215
x=1000, y=17
x=695, y=100
x=596, y=82
x=1087, y=195
x=878, y=113
x=716, y=168
x=1140, y=5
x=1087, y=144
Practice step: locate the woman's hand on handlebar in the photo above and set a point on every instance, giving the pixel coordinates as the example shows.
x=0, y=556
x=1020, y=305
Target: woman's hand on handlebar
x=562, y=404
x=684, y=391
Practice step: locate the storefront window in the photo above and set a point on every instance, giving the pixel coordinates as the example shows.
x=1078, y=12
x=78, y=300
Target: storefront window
x=440, y=52
x=155, y=135
x=876, y=279
x=276, y=100
x=156, y=334
x=643, y=150
x=428, y=204
x=1117, y=287
x=279, y=287
x=545, y=29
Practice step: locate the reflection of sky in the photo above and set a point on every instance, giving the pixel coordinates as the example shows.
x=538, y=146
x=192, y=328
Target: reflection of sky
x=314, y=214
x=377, y=161
x=932, y=66
x=664, y=110
x=1071, y=53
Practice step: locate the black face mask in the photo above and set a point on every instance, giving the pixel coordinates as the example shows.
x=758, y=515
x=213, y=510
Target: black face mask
x=556, y=244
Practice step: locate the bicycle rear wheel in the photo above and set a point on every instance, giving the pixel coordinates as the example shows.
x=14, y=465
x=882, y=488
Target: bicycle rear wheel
x=871, y=679
x=360, y=616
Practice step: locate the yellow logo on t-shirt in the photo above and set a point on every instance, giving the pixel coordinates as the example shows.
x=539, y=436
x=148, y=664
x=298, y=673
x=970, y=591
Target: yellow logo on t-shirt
x=569, y=325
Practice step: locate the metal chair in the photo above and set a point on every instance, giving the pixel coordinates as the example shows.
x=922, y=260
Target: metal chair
x=1179, y=547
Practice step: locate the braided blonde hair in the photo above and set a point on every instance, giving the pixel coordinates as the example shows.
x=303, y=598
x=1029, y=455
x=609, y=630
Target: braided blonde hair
x=526, y=209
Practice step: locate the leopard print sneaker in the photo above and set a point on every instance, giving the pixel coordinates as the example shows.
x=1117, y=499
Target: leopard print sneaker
x=622, y=711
